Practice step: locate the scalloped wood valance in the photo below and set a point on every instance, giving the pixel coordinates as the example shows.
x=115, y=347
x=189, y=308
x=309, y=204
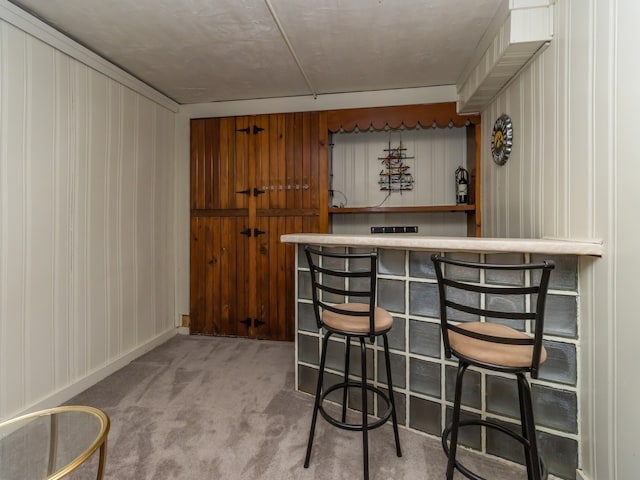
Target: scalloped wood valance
x=442, y=115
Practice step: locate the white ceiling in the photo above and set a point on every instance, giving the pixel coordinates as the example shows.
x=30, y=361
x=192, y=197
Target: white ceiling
x=197, y=51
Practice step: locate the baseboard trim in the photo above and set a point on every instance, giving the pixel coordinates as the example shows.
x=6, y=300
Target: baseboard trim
x=70, y=391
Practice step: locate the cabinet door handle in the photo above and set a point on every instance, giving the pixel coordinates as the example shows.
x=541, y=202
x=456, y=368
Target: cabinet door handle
x=257, y=191
x=245, y=130
x=256, y=129
x=245, y=192
x=246, y=232
x=257, y=232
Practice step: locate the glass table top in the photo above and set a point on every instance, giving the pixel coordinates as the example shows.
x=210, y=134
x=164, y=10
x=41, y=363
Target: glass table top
x=51, y=443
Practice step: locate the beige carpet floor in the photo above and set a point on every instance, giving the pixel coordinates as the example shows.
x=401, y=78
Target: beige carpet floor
x=225, y=408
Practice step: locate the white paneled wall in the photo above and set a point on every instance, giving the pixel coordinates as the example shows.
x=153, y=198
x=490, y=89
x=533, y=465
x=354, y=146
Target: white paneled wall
x=86, y=221
x=356, y=168
x=573, y=174
x=436, y=152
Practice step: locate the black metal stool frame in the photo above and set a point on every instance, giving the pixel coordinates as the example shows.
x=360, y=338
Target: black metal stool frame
x=350, y=292
x=535, y=467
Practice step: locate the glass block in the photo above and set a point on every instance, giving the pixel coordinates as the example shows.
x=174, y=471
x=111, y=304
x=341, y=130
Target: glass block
x=360, y=264
x=335, y=355
x=307, y=318
x=400, y=400
x=561, y=316
x=471, y=435
x=565, y=275
x=334, y=263
x=421, y=266
x=463, y=273
x=555, y=408
x=304, y=285
x=506, y=303
x=560, y=454
x=471, y=387
x=424, y=338
x=335, y=358
x=423, y=299
x=302, y=257
x=361, y=284
x=391, y=262
x=335, y=282
x=398, y=369
x=425, y=415
x=424, y=377
x=502, y=445
x=355, y=401
x=307, y=379
x=329, y=380
x=505, y=277
x=396, y=335
x=308, y=349
x=502, y=396
x=463, y=297
x=561, y=363
x=391, y=295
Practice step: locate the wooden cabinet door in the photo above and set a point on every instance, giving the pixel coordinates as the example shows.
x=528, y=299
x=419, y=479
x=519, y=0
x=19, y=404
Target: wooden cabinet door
x=219, y=277
x=264, y=175
x=220, y=200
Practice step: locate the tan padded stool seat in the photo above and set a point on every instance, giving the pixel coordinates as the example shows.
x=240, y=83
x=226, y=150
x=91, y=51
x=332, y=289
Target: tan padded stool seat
x=492, y=352
x=348, y=323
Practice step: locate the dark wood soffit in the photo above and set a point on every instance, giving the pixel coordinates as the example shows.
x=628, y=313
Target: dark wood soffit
x=441, y=115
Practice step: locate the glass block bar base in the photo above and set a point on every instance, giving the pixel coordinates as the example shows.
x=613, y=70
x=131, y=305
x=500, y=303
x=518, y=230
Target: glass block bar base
x=424, y=379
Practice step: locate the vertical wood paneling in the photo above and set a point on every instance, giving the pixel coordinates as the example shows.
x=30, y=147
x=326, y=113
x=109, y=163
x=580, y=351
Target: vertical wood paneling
x=97, y=228
x=572, y=132
x=14, y=120
x=40, y=217
x=86, y=221
x=62, y=204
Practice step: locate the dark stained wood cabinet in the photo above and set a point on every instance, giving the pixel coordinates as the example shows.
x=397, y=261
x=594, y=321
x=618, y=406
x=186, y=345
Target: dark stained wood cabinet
x=253, y=179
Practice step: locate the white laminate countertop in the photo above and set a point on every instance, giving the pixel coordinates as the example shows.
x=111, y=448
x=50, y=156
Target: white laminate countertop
x=452, y=244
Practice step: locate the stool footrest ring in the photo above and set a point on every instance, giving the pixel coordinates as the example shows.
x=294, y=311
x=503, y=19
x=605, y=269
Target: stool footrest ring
x=356, y=427
x=489, y=424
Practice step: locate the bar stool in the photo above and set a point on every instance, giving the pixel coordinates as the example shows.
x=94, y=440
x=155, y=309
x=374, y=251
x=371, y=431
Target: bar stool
x=337, y=279
x=490, y=343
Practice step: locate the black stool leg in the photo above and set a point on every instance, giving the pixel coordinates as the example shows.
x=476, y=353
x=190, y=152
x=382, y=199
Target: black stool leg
x=347, y=351
x=394, y=417
x=316, y=404
x=529, y=429
x=365, y=430
x=455, y=420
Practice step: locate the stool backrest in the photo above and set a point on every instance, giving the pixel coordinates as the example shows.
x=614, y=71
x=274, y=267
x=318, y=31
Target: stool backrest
x=338, y=278
x=462, y=284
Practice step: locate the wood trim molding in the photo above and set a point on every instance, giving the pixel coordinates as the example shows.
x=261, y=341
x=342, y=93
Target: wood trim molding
x=441, y=115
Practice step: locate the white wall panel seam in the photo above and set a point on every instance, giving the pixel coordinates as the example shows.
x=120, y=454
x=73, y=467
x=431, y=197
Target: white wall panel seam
x=54, y=245
x=26, y=235
x=119, y=220
x=613, y=271
x=566, y=129
x=3, y=210
x=87, y=244
x=106, y=220
x=136, y=162
x=156, y=235
x=525, y=158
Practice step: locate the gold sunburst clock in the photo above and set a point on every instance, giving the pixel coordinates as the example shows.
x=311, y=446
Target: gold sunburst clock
x=502, y=139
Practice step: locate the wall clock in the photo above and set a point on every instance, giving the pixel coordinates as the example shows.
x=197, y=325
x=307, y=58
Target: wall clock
x=502, y=139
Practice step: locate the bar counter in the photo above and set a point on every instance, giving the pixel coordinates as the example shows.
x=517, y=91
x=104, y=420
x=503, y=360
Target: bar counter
x=423, y=378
